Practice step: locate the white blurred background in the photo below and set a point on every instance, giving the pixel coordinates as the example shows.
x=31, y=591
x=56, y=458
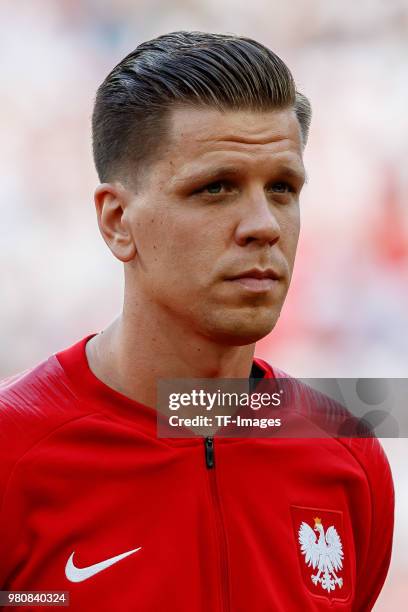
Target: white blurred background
x=347, y=310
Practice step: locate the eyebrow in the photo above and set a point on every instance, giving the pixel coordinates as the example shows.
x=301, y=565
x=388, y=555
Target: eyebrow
x=209, y=174
x=291, y=172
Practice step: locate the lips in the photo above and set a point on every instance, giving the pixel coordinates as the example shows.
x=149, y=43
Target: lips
x=257, y=273
x=256, y=280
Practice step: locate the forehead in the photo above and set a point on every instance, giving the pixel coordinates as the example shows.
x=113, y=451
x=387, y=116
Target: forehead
x=200, y=136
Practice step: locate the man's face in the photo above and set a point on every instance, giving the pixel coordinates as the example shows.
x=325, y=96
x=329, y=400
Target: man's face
x=216, y=221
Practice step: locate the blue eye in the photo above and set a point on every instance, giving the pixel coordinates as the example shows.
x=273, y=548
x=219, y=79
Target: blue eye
x=281, y=187
x=214, y=188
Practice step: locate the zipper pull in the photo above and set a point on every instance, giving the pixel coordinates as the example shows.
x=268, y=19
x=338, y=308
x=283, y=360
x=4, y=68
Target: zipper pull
x=209, y=451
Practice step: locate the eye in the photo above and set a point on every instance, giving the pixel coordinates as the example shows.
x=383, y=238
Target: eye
x=281, y=187
x=213, y=188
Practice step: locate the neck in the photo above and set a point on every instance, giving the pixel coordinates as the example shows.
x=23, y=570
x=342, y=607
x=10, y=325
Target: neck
x=138, y=349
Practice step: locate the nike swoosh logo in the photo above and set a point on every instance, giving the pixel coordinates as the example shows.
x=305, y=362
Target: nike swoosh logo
x=78, y=574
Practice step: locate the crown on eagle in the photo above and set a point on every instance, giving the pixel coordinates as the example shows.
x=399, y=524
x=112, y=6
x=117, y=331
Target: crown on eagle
x=317, y=520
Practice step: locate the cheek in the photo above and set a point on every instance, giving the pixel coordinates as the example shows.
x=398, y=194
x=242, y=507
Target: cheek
x=175, y=255
x=290, y=228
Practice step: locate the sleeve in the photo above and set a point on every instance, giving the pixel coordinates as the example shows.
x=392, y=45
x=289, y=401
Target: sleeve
x=373, y=571
x=7, y=459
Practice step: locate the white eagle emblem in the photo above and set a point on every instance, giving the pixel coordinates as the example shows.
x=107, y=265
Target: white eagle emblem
x=326, y=554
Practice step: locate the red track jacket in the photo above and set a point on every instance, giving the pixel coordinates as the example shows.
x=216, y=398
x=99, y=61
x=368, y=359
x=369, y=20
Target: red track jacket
x=94, y=504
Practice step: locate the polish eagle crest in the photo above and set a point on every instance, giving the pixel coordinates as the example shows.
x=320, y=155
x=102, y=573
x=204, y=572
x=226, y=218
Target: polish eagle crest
x=324, y=554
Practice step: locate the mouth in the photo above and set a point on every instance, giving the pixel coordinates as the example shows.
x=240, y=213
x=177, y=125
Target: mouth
x=256, y=280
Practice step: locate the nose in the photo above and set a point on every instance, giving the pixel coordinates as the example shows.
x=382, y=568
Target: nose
x=258, y=222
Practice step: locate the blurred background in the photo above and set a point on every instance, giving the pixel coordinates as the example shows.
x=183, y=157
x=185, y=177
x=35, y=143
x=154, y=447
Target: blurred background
x=347, y=310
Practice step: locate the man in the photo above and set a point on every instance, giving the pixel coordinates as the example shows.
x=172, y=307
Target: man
x=198, y=142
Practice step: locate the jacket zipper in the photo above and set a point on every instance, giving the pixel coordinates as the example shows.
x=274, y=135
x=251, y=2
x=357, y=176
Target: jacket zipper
x=210, y=463
x=209, y=452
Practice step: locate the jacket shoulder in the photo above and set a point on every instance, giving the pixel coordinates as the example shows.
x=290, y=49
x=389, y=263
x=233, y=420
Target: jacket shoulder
x=355, y=436
x=35, y=395
x=32, y=405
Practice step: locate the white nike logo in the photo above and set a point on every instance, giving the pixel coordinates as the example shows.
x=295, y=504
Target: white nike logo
x=78, y=574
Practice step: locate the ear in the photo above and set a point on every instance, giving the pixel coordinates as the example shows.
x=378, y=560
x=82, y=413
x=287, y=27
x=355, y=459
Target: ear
x=112, y=210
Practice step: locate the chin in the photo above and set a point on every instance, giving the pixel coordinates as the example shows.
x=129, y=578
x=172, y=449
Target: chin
x=250, y=337
x=241, y=331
